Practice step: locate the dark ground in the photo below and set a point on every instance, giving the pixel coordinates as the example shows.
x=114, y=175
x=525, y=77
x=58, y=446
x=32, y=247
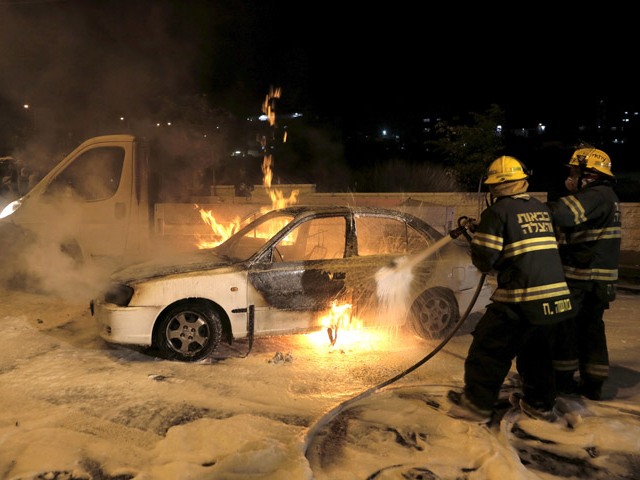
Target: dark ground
x=629, y=270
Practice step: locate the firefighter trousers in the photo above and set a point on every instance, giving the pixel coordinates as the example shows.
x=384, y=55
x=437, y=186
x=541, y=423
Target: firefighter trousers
x=502, y=335
x=582, y=340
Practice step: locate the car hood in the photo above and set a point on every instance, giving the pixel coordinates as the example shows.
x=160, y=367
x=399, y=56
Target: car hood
x=183, y=262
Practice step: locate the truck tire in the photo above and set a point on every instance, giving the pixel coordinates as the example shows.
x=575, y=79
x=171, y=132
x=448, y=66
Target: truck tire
x=434, y=313
x=188, y=331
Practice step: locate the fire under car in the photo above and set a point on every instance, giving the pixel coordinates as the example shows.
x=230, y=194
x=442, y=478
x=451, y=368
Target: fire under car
x=284, y=272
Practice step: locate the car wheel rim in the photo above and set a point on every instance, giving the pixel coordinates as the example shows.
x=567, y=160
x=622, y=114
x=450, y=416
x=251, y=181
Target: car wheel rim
x=434, y=316
x=187, y=333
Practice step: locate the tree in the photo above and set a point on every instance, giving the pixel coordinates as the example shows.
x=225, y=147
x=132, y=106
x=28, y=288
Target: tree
x=467, y=149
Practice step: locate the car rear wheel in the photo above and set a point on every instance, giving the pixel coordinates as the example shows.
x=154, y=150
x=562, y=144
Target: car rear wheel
x=434, y=313
x=188, y=332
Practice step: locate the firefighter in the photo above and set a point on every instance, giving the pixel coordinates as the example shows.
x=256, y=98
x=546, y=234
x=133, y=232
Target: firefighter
x=515, y=240
x=588, y=227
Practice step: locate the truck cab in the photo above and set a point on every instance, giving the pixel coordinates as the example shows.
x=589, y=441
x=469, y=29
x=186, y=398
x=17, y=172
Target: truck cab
x=94, y=203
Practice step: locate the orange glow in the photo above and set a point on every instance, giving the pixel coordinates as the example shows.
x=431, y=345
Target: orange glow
x=365, y=339
x=277, y=197
x=221, y=232
x=339, y=327
x=339, y=317
x=350, y=332
x=267, y=174
x=268, y=105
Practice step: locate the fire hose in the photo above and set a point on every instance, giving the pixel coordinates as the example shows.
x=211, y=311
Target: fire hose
x=465, y=224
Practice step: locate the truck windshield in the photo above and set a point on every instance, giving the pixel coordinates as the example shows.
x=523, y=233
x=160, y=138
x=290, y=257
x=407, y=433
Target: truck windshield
x=94, y=175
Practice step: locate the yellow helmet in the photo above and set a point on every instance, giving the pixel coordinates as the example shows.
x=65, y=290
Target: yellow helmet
x=505, y=169
x=592, y=159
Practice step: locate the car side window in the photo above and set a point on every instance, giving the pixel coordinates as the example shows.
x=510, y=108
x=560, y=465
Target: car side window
x=316, y=239
x=94, y=175
x=384, y=236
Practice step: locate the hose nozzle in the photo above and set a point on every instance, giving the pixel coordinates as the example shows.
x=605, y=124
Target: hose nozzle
x=465, y=225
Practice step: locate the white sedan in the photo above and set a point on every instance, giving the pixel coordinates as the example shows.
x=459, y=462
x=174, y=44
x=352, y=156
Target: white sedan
x=284, y=273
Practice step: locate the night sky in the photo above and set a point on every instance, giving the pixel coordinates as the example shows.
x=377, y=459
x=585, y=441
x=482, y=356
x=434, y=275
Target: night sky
x=375, y=60
x=398, y=59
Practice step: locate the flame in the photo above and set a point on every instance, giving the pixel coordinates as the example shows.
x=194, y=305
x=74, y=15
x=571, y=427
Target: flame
x=277, y=197
x=220, y=231
x=268, y=107
x=278, y=200
x=339, y=317
x=267, y=174
x=344, y=327
x=348, y=331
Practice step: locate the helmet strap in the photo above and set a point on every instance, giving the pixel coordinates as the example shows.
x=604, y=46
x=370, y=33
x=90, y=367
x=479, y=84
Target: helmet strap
x=489, y=199
x=580, y=178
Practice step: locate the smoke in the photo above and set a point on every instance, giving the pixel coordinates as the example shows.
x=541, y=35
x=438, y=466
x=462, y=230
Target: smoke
x=81, y=66
x=88, y=68
x=93, y=67
x=44, y=258
x=85, y=56
x=51, y=270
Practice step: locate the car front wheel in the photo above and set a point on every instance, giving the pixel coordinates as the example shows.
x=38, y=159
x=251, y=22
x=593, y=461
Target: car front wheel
x=188, y=332
x=434, y=313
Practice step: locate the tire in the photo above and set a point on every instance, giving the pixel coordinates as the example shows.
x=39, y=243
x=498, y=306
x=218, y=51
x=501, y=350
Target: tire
x=434, y=313
x=188, y=332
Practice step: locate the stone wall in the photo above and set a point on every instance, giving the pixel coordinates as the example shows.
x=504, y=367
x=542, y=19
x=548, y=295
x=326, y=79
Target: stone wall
x=631, y=227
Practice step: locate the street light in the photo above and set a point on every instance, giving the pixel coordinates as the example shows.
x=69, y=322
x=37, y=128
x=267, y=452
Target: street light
x=32, y=116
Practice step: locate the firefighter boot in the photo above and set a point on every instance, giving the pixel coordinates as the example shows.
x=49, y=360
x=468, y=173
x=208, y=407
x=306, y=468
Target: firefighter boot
x=461, y=407
x=539, y=411
x=590, y=388
x=565, y=384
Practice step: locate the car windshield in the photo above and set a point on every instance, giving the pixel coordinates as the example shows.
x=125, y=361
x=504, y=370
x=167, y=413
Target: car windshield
x=247, y=241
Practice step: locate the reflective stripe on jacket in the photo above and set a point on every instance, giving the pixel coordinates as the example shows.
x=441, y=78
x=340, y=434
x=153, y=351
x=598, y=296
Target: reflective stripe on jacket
x=589, y=231
x=515, y=238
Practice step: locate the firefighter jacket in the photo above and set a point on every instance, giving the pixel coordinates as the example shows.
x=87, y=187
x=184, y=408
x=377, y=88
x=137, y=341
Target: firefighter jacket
x=589, y=231
x=515, y=239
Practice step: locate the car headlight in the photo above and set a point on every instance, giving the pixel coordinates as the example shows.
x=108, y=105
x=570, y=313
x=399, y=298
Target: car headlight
x=119, y=295
x=10, y=208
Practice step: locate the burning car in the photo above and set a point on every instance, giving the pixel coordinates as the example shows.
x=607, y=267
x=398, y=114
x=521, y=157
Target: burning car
x=284, y=272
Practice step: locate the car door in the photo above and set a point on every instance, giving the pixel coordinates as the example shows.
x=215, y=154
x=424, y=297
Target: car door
x=305, y=276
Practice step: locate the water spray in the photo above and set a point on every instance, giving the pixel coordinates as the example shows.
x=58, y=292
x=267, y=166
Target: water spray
x=394, y=281
x=465, y=225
